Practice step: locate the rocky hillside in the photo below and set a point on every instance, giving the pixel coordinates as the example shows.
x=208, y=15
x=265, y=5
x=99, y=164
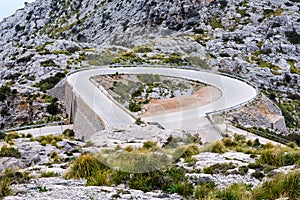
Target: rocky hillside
x=257, y=40
x=132, y=162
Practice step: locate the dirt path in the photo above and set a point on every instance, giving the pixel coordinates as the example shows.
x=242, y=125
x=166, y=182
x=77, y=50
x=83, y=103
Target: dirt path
x=203, y=96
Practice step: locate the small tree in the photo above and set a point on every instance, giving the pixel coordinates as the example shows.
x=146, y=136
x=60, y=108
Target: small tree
x=52, y=108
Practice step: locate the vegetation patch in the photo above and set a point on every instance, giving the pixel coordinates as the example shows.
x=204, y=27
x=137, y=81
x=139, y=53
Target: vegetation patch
x=50, y=82
x=7, y=151
x=49, y=139
x=170, y=180
x=281, y=186
x=219, y=168
x=293, y=37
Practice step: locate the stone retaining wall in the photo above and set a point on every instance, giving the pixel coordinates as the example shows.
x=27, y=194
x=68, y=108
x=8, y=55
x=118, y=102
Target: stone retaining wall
x=86, y=122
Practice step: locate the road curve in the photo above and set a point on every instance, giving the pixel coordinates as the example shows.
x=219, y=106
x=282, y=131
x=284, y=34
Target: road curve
x=234, y=93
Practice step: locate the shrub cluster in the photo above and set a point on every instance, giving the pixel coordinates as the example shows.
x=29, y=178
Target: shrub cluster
x=91, y=167
x=50, y=82
x=10, y=176
x=9, y=152
x=48, y=139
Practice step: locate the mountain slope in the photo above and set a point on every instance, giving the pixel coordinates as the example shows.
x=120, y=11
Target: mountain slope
x=257, y=40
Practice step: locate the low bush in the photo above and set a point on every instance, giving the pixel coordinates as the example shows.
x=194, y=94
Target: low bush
x=10, y=136
x=48, y=174
x=171, y=180
x=204, y=190
x=50, y=82
x=9, y=152
x=243, y=170
x=138, y=161
x=218, y=147
x=185, y=152
x=134, y=106
x=228, y=142
x=48, y=139
x=258, y=175
x=85, y=166
x=219, y=168
x=69, y=133
x=99, y=177
x=238, y=137
x=279, y=157
x=281, y=186
x=293, y=37
x=48, y=63
x=182, y=188
x=233, y=192
x=42, y=188
x=11, y=176
x=5, y=187
x=52, y=108
x=149, y=144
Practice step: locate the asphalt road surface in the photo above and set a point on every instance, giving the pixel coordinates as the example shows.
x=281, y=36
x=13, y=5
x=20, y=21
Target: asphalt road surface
x=234, y=93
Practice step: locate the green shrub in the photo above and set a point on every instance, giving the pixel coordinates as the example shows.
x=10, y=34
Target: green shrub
x=279, y=187
x=203, y=191
x=53, y=109
x=238, y=137
x=174, y=59
x=182, y=188
x=10, y=136
x=185, y=152
x=85, y=166
x=243, y=170
x=219, y=168
x=228, y=142
x=53, y=154
x=50, y=82
x=134, y=106
x=279, y=157
x=48, y=63
x=256, y=142
x=128, y=148
x=218, y=147
x=48, y=139
x=99, y=178
x=9, y=152
x=293, y=37
x=142, y=182
x=5, y=187
x=138, y=161
x=169, y=180
x=9, y=176
x=119, y=177
x=258, y=175
x=190, y=151
x=149, y=144
x=69, y=133
x=48, y=174
x=233, y=192
x=42, y=188
x=292, y=145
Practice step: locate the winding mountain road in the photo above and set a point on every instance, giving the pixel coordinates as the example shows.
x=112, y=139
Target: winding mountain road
x=234, y=93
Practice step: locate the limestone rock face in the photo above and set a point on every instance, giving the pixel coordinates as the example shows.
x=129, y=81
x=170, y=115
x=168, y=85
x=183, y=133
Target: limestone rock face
x=254, y=40
x=260, y=113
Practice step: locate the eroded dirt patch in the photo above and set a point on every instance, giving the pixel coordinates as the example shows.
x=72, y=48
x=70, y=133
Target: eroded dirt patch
x=203, y=96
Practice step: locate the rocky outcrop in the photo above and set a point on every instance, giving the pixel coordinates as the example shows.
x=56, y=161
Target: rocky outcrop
x=260, y=113
x=256, y=40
